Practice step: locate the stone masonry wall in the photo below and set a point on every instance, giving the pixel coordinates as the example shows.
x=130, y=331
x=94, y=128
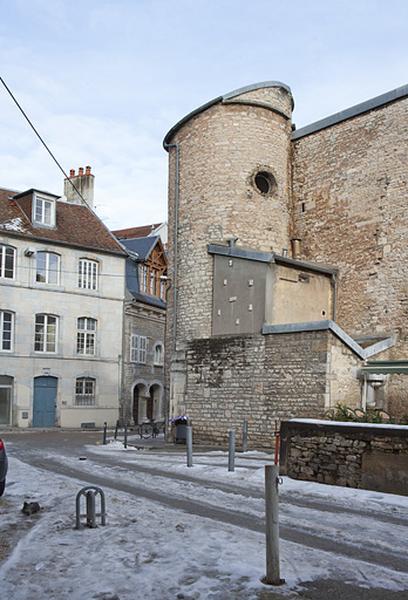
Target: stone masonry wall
x=218, y=199
x=219, y=150
x=350, y=187
x=370, y=457
x=147, y=321
x=261, y=378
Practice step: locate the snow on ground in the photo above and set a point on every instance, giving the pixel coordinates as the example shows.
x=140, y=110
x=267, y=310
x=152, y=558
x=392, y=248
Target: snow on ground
x=213, y=465
x=148, y=550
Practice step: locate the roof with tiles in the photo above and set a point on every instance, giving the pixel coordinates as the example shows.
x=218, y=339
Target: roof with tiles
x=76, y=225
x=136, y=232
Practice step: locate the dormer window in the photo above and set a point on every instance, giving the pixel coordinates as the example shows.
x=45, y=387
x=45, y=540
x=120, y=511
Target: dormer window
x=43, y=211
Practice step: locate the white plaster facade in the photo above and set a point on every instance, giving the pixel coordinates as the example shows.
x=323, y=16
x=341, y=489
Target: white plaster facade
x=25, y=298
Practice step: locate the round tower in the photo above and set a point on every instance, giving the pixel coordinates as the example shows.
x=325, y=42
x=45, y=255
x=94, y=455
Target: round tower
x=229, y=177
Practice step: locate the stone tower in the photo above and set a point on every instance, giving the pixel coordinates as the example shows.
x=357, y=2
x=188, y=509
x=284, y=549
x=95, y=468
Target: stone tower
x=229, y=179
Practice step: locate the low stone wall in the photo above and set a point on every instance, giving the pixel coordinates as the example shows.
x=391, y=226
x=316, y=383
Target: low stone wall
x=359, y=455
x=257, y=377
x=264, y=378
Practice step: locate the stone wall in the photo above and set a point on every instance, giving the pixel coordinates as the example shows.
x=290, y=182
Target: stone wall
x=217, y=199
x=217, y=195
x=146, y=320
x=349, y=191
x=348, y=454
x=263, y=378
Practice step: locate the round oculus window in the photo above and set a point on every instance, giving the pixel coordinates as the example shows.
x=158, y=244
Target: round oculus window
x=265, y=182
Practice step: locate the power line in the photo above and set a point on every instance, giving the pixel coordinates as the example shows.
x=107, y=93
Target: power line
x=42, y=141
x=126, y=277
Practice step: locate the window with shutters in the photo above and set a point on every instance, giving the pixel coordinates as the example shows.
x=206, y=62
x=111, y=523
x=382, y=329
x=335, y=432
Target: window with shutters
x=138, y=348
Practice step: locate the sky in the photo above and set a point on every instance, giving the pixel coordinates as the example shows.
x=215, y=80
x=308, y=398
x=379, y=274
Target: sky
x=103, y=81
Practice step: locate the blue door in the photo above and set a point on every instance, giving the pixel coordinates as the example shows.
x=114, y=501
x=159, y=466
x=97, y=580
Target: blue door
x=45, y=400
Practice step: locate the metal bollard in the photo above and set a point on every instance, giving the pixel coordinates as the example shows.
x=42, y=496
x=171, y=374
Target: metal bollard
x=272, y=576
x=90, y=493
x=231, y=450
x=189, y=445
x=105, y=426
x=245, y=436
x=90, y=509
x=125, y=437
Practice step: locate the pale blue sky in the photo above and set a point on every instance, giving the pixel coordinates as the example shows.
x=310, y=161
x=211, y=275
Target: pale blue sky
x=105, y=80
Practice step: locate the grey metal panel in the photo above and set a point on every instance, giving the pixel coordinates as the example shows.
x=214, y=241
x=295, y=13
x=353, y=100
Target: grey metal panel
x=351, y=112
x=238, y=307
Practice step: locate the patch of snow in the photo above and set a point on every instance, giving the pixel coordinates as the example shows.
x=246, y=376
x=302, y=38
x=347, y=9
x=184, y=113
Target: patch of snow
x=15, y=224
x=151, y=550
x=118, y=445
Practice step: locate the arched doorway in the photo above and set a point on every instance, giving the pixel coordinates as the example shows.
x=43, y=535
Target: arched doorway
x=139, y=403
x=156, y=409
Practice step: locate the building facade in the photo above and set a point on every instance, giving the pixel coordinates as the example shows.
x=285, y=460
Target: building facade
x=143, y=398
x=62, y=278
x=280, y=242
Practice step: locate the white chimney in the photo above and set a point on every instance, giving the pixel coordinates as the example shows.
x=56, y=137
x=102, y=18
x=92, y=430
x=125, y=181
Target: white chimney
x=84, y=183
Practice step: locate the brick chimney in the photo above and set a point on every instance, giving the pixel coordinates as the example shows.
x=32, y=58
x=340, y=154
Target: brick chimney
x=84, y=183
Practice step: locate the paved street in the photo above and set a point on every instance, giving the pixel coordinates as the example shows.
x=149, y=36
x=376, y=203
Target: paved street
x=364, y=535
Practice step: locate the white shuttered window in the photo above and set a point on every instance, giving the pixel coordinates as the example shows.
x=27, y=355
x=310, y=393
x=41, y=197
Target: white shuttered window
x=138, y=348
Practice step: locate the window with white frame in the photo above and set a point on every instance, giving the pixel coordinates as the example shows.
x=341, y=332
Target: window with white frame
x=143, y=278
x=47, y=267
x=7, y=261
x=138, y=348
x=158, y=355
x=6, y=330
x=86, y=336
x=45, y=338
x=43, y=211
x=163, y=288
x=88, y=274
x=85, y=391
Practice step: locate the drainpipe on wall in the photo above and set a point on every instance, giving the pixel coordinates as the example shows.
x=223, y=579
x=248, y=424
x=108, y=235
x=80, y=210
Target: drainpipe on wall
x=364, y=393
x=175, y=257
x=334, y=287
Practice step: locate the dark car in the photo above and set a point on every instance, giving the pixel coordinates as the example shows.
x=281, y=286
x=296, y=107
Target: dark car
x=3, y=467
